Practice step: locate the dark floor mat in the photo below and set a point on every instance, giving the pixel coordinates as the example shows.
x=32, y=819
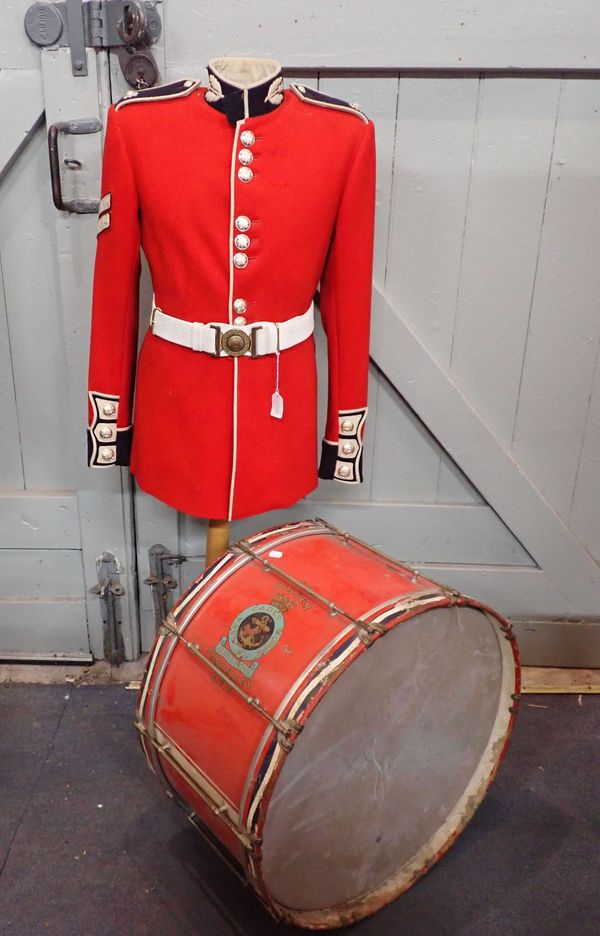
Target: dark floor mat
x=90, y=845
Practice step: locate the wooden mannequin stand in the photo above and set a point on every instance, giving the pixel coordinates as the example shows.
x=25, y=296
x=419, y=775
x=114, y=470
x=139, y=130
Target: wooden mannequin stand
x=217, y=539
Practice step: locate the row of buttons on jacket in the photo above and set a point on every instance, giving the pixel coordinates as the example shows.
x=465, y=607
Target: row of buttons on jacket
x=243, y=222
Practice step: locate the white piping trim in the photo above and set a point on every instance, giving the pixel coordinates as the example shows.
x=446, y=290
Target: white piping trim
x=349, y=110
x=234, y=459
x=232, y=177
x=133, y=96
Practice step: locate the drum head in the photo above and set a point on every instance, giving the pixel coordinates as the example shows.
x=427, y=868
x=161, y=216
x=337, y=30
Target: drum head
x=391, y=763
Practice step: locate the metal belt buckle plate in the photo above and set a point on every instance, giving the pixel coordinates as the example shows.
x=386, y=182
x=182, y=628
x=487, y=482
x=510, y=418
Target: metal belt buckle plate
x=235, y=342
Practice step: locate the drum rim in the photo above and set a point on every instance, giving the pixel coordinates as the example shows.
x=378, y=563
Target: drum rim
x=384, y=893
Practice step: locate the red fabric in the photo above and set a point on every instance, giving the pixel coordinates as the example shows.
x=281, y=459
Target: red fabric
x=168, y=168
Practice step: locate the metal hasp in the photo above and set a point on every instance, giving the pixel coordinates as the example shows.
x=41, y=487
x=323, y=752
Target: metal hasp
x=160, y=560
x=110, y=590
x=99, y=24
x=83, y=125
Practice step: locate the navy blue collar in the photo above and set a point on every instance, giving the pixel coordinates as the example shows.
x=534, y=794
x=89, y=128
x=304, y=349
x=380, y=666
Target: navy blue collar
x=244, y=87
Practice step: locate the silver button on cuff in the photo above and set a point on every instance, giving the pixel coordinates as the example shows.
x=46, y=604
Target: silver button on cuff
x=240, y=260
x=109, y=409
x=245, y=156
x=243, y=222
x=347, y=425
x=247, y=137
x=245, y=174
x=344, y=471
x=349, y=448
x=239, y=305
x=242, y=241
x=105, y=432
x=107, y=454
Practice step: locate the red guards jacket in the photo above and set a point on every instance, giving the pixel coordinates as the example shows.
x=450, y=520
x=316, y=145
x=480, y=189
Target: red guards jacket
x=245, y=196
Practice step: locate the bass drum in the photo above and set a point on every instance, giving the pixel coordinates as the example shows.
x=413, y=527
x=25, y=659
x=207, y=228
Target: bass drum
x=329, y=718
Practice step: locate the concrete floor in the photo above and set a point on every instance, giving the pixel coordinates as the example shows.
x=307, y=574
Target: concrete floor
x=90, y=845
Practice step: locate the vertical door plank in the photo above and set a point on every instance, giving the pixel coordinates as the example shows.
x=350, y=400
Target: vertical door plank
x=11, y=463
x=586, y=493
x=432, y=168
x=564, y=330
x=507, y=194
x=34, y=319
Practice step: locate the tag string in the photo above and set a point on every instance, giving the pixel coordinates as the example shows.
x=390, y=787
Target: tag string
x=277, y=399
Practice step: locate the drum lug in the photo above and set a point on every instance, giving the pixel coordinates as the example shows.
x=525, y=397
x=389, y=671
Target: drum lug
x=287, y=728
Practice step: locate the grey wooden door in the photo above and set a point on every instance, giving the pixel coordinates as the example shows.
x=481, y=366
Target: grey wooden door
x=56, y=516
x=483, y=438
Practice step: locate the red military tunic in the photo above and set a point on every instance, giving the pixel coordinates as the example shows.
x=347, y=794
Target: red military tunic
x=245, y=196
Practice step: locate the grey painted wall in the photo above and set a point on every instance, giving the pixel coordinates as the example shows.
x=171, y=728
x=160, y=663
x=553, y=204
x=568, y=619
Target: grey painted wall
x=483, y=438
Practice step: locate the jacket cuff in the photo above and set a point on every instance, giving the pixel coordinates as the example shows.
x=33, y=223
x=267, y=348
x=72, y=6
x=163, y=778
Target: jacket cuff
x=107, y=445
x=343, y=460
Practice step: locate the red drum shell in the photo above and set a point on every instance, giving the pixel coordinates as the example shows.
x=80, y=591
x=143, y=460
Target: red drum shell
x=329, y=717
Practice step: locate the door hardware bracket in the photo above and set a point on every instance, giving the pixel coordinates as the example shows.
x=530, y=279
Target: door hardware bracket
x=98, y=24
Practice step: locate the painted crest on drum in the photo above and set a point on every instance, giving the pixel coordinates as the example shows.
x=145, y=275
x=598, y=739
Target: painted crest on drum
x=253, y=633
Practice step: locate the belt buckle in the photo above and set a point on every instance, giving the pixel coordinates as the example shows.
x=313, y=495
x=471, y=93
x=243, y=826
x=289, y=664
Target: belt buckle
x=234, y=342
x=253, y=331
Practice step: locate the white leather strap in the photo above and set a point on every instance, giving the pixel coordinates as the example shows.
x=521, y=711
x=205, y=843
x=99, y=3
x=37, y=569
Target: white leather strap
x=202, y=336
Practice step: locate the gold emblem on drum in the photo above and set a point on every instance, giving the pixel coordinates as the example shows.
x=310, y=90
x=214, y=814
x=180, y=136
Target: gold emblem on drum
x=254, y=632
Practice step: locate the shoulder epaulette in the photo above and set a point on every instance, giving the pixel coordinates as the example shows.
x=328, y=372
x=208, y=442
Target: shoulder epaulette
x=313, y=96
x=164, y=92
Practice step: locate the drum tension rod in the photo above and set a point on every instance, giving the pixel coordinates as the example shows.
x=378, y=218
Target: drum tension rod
x=366, y=630
x=283, y=728
x=247, y=838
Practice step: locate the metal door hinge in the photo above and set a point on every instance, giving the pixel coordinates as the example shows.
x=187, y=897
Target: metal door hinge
x=130, y=25
x=160, y=561
x=110, y=591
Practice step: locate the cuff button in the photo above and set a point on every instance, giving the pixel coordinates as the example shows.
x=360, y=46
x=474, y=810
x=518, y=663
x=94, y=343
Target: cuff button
x=344, y=471
x=108, y=409
x=348, y=448
x=347, y=425
x=107, y=454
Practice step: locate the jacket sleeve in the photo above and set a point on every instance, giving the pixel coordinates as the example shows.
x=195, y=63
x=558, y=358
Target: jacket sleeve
x=345, y=303
x=113, y=341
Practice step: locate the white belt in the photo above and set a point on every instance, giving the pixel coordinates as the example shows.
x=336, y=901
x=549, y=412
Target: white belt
x=225, y=340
